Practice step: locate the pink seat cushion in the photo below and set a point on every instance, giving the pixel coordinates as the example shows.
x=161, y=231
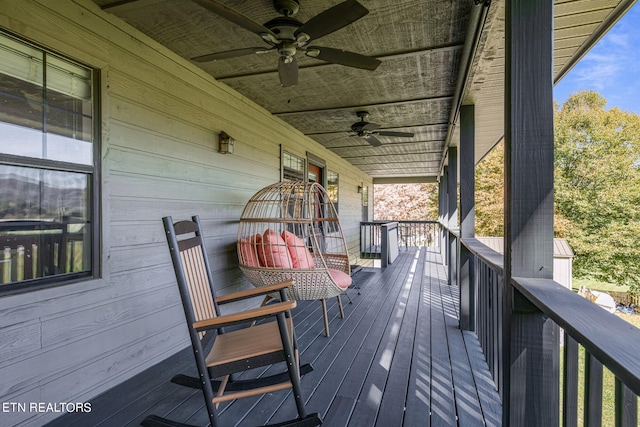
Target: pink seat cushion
x=273, y=252
x=248, y=251
x=342, y=279
x=300, y=255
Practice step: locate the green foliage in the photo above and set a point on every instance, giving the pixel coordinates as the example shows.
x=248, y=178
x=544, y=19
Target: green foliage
x=597, y=185
x=597, y=189
x=489, y=195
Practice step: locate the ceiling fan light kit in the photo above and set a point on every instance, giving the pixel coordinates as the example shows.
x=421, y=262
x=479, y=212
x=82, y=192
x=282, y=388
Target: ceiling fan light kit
x=287, y=36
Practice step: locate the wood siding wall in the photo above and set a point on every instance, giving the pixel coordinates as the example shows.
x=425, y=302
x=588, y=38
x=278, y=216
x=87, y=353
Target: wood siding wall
x=160, y=121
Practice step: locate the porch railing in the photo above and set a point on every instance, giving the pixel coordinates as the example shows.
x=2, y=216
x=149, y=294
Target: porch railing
x=607, y=340
x=35, y=249
x=410, y=233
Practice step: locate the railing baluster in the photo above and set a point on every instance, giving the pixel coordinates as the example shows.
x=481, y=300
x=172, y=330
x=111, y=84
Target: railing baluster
x=626, y=406
x=593, y=391
x=34, y=261
x=6, y=265
x=20, y=263
x=570, y=383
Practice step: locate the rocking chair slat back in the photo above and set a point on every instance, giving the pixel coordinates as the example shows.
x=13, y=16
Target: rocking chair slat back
x=199, y=289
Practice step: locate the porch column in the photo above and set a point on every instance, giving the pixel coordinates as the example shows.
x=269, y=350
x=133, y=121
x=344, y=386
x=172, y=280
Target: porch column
x=452, y=210
x=444, y=215
x=467, y=216
x=530, y=339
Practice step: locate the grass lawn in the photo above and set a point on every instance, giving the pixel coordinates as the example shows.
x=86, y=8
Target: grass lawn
x=597, y=285
x=634, y=319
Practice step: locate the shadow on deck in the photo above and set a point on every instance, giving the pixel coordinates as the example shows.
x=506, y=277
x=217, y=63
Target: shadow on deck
x=397, y=359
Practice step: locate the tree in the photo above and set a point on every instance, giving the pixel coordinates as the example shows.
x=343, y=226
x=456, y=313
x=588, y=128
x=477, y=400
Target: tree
x=489, y=197
x=597, y=186
x=597, y=189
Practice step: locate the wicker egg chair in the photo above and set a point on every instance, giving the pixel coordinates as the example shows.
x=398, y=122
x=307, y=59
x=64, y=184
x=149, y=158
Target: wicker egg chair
x=290, y=231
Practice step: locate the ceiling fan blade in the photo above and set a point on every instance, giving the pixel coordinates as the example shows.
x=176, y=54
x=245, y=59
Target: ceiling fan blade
x=234, y=16
x=343, y=57
x=288, y=72
x=375, y=142
x=230, y=54
x=390, y=133
x=333, y=19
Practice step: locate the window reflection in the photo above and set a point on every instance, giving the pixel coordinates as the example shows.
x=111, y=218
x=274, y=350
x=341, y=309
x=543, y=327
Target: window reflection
x=44, y=223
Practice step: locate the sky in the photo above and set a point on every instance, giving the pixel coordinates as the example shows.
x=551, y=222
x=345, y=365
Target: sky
x=611, y=67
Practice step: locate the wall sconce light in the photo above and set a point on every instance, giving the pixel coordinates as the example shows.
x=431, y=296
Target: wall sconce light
x=359, y=189
x=226, y=143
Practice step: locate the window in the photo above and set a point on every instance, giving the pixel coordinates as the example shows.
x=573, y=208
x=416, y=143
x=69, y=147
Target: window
x=48, y=168
x=332, y=187
x=292, y=167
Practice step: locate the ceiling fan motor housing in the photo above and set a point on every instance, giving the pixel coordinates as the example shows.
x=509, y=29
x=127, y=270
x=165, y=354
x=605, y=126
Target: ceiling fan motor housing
x=286, y=7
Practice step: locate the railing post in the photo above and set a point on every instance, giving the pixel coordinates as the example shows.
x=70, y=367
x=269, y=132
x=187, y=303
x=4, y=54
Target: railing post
x=388, y=243
x=384, y=246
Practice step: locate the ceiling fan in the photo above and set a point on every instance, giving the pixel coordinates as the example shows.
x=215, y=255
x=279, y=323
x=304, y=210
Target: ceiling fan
x=286, y=36
x=368, y=130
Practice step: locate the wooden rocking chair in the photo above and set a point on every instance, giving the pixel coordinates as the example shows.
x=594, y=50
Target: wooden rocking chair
x=219, y=354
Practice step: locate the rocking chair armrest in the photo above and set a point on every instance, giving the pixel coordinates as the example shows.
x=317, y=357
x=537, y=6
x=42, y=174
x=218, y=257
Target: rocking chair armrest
x=262, y=290
x=244, y=316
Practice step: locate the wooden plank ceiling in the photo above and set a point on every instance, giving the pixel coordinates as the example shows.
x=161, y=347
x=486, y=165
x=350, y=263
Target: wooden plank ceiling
x=420, y=44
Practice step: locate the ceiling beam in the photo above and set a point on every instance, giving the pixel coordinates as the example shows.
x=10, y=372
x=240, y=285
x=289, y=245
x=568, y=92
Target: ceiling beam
x=392, y=56
x=405, y=180
x=424, y=125
x=434, y=142
x=413, y=153
x=380, y=104
x=406, y=163
x=116, y=4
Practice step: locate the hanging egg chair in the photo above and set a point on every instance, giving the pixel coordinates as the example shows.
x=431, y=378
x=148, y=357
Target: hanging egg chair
x=291, y=231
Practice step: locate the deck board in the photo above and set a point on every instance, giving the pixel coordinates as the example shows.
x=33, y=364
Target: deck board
x=397, y=358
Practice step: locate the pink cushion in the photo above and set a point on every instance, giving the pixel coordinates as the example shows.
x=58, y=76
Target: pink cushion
x=273, y=252
x=300, y=255
x=342, y=279
x=248, y=253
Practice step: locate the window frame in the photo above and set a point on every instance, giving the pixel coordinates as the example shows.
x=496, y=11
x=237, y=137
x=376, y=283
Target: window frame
x=304, y=172
x=94, y=179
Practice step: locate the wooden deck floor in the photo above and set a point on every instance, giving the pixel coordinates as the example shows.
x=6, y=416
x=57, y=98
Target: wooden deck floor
x=397, y=359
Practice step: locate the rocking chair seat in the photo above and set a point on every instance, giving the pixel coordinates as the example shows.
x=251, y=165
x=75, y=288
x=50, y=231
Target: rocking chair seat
x=256, y=341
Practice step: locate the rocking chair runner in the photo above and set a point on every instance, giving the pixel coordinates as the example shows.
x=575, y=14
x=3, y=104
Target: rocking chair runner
x=220, y=354
x=291, y=231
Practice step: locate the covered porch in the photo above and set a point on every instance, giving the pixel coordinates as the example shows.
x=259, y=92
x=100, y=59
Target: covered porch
x=446, y=335
x=397, y=358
